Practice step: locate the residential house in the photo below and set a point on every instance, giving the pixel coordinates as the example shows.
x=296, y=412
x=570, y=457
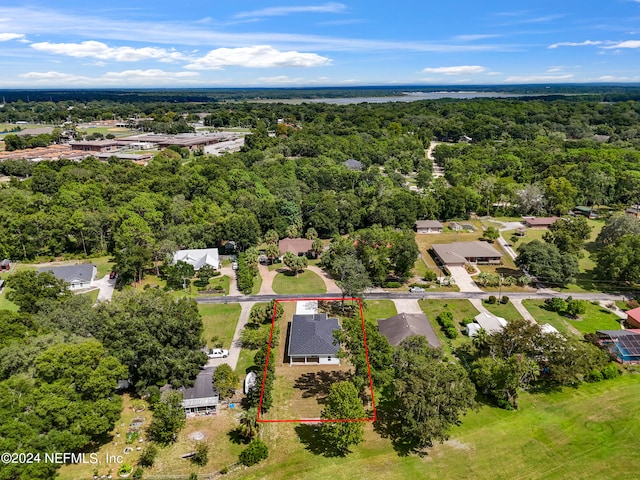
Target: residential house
x=5, y=265
x=404, y=325
x=540, y=222
x=633, y=210
x=588, y=212
x=198, y=257
x=633, y=318
x=298, y=246
x=77, y=276
x=428, y=226
x=201, y=399
x=460, y=253
x=487, y=322
x=352, y=164
x=311, y=340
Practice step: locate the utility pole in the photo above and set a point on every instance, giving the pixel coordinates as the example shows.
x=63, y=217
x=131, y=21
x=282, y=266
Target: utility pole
x=500, y=294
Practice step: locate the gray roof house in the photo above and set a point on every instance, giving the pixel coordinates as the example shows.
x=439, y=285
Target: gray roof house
x=403, y=325
x=201, y=398
x=311, y=340
x=460, y=253
x=198, y=257
x=77, y=276
x=352, y=164
x=428, y=226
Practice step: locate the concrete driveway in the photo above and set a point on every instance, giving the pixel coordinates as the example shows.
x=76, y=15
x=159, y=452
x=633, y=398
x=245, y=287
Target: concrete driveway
x=462, y=279
x=234, y=350
x=106, y=287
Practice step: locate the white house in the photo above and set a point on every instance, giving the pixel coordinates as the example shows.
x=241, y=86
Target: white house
x=77, y=276
x=198, y=257
x=487, y=322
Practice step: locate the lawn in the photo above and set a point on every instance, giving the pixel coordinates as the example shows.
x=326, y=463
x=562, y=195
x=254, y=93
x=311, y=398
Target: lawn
x=257, y=283
x=103, y=264
x=245, y=361
x=219, y=320
x=506, y=311
x=576, y=434
x=7, y=304
x=305, y=282
x=374, y=309
x=93, y=295
x=461, y=310
x=595, y=318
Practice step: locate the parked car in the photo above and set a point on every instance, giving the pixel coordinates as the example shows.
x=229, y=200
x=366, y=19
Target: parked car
x=234, y=265
x=417, y=290
x=112, y=275
x=218, y=353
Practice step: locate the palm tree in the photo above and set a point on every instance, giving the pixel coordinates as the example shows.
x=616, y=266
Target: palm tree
x=249, y=425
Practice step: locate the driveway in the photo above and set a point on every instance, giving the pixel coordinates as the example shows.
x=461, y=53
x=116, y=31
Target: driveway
x=407, y=305
x=233, y=284
x=462, y=279
x=267, y=279
x=106, y=287
x=234, y=350
x=329, y=282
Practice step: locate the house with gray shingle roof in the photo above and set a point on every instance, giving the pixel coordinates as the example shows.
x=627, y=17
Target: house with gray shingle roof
x=404, y=325
x=460, y=253
x=311, y=340
x=202, y=397
x=77, y=276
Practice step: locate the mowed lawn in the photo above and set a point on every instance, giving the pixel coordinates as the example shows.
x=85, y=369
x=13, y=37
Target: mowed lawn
x=506, y=311
x=583, y=433
x=219, y=320
x=305, y=282
x=375, y=309
x=595, y=318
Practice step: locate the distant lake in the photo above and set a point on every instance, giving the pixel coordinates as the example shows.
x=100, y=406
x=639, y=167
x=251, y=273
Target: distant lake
x=408, y=97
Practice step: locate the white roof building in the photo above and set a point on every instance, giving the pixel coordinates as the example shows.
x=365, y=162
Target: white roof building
x=490, y=323
x=198, y=257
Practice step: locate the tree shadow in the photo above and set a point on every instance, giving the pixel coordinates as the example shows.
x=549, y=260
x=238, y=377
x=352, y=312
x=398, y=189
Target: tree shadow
x=236, y=437
x=317, y=384
x=387, y=427
x=310, y=436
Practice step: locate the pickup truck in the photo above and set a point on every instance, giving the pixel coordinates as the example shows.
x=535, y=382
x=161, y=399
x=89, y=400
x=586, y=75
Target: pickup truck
x=218, y=353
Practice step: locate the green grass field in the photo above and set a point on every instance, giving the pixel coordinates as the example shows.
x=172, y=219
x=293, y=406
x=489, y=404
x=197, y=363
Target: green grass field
x=595, y=318
x=305, y=282
x=7, y=304
x=508, y=311
x=374, y=309
x=219, y=320
x=461, y=310
x=582, y=433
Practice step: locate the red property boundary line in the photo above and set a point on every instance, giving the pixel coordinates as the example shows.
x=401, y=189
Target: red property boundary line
x=266, y=366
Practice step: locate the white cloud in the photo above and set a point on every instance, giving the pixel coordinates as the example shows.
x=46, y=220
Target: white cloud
x=538, y=78
x=555, y=69
x=54, y=76
x=279, y=79
x=576, y=44
x=459, y=70
x=259, y=56
x=5, y=37
x=102, y=51
x=149, y=74
x=331, y=7
x=626, y=44
x=471, y=38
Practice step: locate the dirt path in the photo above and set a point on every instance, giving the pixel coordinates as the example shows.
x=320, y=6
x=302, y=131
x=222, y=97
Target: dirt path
x=267, y=280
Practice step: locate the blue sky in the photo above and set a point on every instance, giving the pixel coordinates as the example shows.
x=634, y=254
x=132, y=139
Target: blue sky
x=251, y=43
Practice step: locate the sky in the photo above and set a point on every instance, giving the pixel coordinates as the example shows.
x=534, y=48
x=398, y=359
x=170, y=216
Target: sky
x=306, y=43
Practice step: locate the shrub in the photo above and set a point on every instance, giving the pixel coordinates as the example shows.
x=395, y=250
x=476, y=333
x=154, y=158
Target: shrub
x=610, y=371
x=504, y=300
x=216, y=273
x=491, y=300
x=254, y=453
x=201, y=456
x=137, y=474
x=430, y=276
x=445, y=319
x=148, y=456
x=224, y=470
x=451, y=332
x=555, y=304
x=391, y=284
x=594, y=376
x=631, y=304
